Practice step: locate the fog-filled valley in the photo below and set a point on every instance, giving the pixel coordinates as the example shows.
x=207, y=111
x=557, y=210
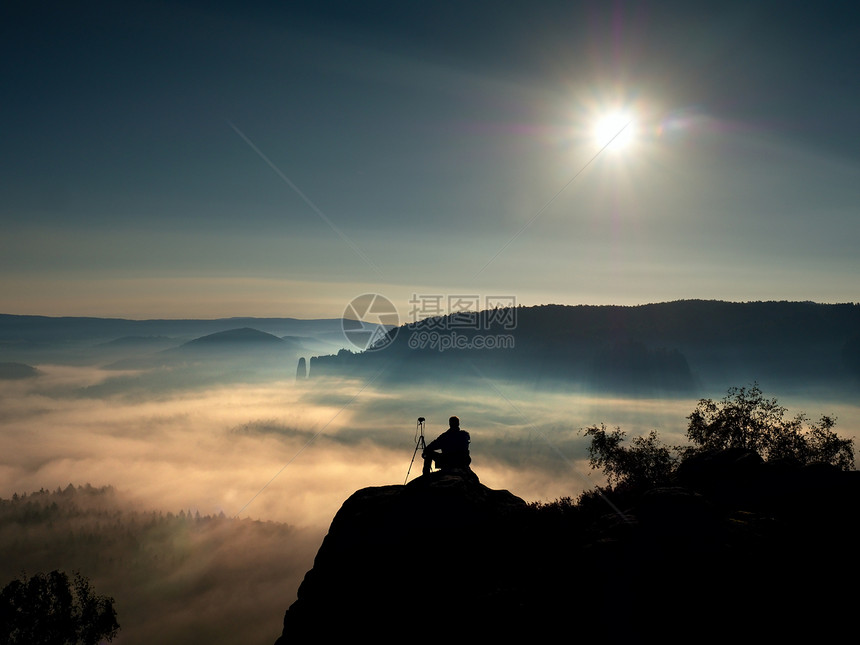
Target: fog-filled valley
x=175, y=577
x=191, y=475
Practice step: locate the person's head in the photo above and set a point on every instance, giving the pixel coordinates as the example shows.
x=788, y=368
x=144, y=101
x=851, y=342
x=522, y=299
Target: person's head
x=454, y=422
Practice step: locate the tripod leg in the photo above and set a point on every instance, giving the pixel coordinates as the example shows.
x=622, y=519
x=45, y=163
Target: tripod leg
x=415, y=452
x=427, y=462
x=418, y=444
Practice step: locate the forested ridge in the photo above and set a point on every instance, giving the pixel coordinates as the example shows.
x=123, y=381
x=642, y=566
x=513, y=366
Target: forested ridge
x=204, y=575
x=682, y=347
x=89, y=524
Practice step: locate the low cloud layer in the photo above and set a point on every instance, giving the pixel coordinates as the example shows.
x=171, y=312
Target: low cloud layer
x=290, y=453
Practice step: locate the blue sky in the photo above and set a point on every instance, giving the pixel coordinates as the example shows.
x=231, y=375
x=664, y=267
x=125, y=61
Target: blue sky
x=191, y=159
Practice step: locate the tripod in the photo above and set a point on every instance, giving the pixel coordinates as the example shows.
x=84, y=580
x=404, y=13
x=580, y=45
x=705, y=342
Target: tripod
x=419, y=443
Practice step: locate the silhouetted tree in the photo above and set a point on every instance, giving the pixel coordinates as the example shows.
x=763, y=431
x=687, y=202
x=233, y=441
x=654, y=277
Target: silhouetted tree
x=744, y=418
x=48, y=609
x=647, y=461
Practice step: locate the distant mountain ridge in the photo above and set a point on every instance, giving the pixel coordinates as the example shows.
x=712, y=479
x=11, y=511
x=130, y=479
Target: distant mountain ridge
x=673, y=347
x=165, y=355
x=131, y=344
x=24, y=328
x=241, y=336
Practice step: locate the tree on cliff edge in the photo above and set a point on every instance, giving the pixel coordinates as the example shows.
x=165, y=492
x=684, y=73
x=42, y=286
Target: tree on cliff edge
x=744, y=419
x=647, y=461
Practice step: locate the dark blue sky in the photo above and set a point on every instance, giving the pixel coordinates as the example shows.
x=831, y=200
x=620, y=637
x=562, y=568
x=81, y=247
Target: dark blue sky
x=172, y=159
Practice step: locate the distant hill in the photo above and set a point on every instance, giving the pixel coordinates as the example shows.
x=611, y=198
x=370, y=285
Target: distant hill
x=244, y=348
x=243, y=337
x=247, y=345
x=16, y=330
x=674, y=347
x=132, y=344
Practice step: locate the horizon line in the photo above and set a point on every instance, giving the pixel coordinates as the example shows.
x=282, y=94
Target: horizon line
x=324, y=318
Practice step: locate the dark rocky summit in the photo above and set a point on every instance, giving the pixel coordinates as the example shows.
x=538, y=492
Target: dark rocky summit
x=739, y=549
x=405, y=559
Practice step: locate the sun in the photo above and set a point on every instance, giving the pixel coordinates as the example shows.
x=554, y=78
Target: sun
x=614, y=130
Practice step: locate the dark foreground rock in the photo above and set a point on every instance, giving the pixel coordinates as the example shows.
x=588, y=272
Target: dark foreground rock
x=406, y=559
x=446, y=559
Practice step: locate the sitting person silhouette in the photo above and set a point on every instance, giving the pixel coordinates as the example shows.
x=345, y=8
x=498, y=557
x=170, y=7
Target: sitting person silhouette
x=449, y=450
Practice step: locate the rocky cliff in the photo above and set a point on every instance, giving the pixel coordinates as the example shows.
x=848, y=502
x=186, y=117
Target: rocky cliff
x=738, y=549
x=406, y=559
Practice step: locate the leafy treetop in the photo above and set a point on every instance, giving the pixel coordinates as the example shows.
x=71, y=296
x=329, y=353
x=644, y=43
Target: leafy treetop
x=49, y=608
x=744, y=418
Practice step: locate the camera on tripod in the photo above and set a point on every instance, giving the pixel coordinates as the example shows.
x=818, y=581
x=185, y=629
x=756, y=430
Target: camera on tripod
x=419, y=443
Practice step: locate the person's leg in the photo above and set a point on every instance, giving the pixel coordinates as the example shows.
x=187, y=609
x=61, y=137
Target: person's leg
x=428, y=462
x=430, y=457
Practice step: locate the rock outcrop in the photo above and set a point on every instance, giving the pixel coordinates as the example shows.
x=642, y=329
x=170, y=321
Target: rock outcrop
x=738, y=550
x=410, y=559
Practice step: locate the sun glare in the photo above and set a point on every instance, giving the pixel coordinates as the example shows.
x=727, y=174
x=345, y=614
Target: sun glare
x=614, y=130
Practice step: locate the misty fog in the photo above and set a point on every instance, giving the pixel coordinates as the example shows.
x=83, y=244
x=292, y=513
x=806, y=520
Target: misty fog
x=310, y=444
x=272, y=452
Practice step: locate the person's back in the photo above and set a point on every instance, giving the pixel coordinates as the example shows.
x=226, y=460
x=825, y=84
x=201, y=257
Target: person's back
x=448, y=450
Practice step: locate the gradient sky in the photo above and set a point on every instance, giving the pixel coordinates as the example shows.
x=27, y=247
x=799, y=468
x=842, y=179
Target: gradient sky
x=207, y=159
